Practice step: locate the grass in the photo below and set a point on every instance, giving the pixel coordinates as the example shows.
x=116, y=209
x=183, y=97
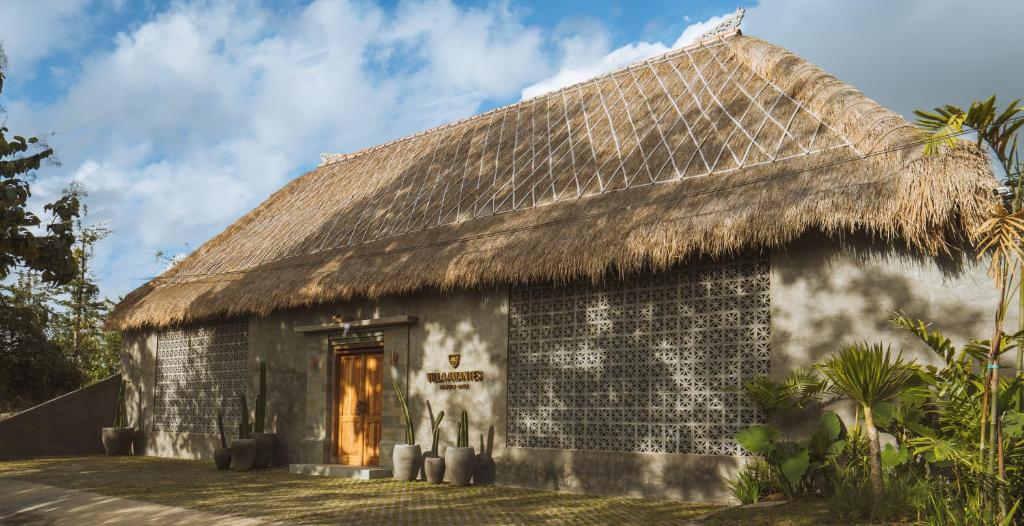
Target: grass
x=277, y=495
x=811, y=512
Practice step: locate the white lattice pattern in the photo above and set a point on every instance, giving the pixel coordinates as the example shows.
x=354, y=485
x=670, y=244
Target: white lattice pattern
x=200, y=371
x=688, y=114
x=655, y=363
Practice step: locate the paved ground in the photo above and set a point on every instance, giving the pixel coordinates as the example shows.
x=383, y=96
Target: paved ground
x=276, y=495
x=31, y=504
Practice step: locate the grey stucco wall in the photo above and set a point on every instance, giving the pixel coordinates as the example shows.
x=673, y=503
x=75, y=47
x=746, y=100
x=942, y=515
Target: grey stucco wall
x=824, y=294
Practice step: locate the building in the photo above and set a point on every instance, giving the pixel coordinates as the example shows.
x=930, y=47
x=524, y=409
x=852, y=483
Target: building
x=593, y=273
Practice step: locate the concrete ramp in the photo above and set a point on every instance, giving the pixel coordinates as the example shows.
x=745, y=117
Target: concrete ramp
x=67, y=425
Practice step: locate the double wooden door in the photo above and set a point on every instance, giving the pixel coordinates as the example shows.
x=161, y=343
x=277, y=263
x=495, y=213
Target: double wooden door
x=360, y=380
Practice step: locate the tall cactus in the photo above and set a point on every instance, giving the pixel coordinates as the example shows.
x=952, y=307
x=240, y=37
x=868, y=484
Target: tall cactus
x=261, y=401
x=435, y=428
x=463, y=440
x=122, y=413
x=243, y=422
x=409, y=435
x=220, y=427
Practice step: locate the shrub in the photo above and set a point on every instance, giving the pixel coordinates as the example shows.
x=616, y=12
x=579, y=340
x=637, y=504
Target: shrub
x=901, y=496
x=753, y=482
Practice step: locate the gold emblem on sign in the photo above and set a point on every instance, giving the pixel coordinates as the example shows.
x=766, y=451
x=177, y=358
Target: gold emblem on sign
x=454, y=359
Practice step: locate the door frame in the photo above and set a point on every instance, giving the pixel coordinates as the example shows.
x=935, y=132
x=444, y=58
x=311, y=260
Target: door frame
x=339, y=349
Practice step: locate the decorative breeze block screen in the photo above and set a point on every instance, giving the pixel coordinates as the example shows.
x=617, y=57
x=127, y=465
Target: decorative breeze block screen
x=200, y=371
x=652, y=363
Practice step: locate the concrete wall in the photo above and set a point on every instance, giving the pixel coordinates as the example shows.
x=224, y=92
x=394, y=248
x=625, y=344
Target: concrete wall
x=67, y=425
x=824, y=295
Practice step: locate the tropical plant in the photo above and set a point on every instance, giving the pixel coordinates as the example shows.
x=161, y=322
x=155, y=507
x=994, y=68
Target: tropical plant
x=868, y=375
x=798, y=466
x=800, y=388
x=854, y=497
x=409, y=435
x=754, y=481
x=220, y=428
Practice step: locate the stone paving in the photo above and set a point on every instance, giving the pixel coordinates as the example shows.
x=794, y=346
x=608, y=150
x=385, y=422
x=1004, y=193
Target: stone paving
x=277, y=495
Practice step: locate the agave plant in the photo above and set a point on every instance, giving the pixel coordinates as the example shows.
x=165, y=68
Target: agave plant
x=868, y=374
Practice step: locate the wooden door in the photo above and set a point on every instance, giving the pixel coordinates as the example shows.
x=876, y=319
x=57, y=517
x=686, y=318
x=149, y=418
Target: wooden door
x=360, y=381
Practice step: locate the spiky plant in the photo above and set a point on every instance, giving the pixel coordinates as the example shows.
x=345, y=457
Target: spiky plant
x=261, y=400
x=868, y=374
x=463, y=440
x=435, y=428
x=220, y=427
x=243, y=423
x=121, y=417
x=409, y=435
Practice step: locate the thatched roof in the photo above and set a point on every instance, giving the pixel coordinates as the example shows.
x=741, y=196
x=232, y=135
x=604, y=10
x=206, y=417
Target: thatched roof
x=729, y=145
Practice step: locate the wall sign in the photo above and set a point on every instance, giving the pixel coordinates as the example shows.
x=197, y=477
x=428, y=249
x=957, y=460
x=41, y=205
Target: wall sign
x=455, y=379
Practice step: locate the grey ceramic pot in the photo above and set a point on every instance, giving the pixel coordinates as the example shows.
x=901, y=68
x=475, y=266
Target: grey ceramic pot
x=222, y=457
x=243, y=453
x=264, y=449
x=434, y=466
x=406, y=461
x=118, y=440
x=460, y=462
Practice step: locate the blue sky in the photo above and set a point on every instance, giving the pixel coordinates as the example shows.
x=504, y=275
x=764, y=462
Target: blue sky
x=179, y=117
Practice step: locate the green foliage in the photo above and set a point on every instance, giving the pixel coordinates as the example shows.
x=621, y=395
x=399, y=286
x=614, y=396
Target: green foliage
x=244, y=427
x=220, y=428
x=261, y=400
x=32, y=368
x=800, y=388
x=754, y=481
x=409, y=435
x=996, y=128
x=798, y=466
x=463, y=438
x=21, y=243
x=854, y=499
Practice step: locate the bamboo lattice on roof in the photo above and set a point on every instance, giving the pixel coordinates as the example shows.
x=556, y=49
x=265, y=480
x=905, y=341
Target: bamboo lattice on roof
x=668, y=157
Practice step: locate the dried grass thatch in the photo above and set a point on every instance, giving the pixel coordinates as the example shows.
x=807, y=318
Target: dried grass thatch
x=726, y=146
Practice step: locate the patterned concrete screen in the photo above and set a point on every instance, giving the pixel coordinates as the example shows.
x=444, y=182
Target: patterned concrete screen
x=199, y=371
x=653, y=363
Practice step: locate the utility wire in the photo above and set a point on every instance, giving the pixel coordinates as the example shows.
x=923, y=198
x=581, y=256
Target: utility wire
x=186, y=278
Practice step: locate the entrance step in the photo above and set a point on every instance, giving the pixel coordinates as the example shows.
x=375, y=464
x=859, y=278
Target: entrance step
x=338, y=470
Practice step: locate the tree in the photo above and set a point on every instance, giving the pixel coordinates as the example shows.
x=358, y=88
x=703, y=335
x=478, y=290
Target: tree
x=32, y=368
x=868, y=375
x=21, y=243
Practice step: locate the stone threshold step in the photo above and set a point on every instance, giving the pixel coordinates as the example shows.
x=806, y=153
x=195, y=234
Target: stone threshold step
x=338, y=470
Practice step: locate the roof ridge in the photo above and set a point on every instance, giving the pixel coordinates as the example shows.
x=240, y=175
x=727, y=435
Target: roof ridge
x=327, y=159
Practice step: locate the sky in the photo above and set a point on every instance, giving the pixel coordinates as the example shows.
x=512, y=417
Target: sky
x=179, y=117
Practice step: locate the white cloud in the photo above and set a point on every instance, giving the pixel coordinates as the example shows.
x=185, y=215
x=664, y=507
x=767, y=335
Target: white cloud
x=586, y=57
x=32, y=29
x=190, y=119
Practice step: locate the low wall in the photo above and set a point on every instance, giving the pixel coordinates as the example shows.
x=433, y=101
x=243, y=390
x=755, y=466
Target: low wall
x=67, y=425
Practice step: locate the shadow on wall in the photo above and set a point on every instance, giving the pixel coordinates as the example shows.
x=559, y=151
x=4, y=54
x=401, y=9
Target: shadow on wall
x=826, y=295
x=67, y=425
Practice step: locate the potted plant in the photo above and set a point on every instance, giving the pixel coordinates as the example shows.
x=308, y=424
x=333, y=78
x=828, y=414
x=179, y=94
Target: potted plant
x=243, y=448
x=222, y=454
x=117, y=440
x=433, y=463
x=460, y=461
x=406, y=457
x=264, y=441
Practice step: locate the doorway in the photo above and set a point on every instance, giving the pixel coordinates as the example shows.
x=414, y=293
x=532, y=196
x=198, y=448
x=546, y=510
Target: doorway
x=360, y=378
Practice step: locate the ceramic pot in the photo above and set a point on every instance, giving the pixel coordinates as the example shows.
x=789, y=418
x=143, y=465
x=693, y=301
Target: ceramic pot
x=460, y=462
x=118, y=440
x=406, y=461
x=485, y=470
x=434, y=466
x=222, y=457
x=243, y=453
x=264, y=449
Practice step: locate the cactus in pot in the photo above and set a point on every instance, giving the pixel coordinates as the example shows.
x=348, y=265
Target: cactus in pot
x=264, y=440
x=406, y=458
x=433, y=464
x=243, y=448
x=460, y=461
x=222, y=454
x=117, y=439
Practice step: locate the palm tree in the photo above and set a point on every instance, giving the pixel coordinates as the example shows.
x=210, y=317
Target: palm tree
x=868, y=375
